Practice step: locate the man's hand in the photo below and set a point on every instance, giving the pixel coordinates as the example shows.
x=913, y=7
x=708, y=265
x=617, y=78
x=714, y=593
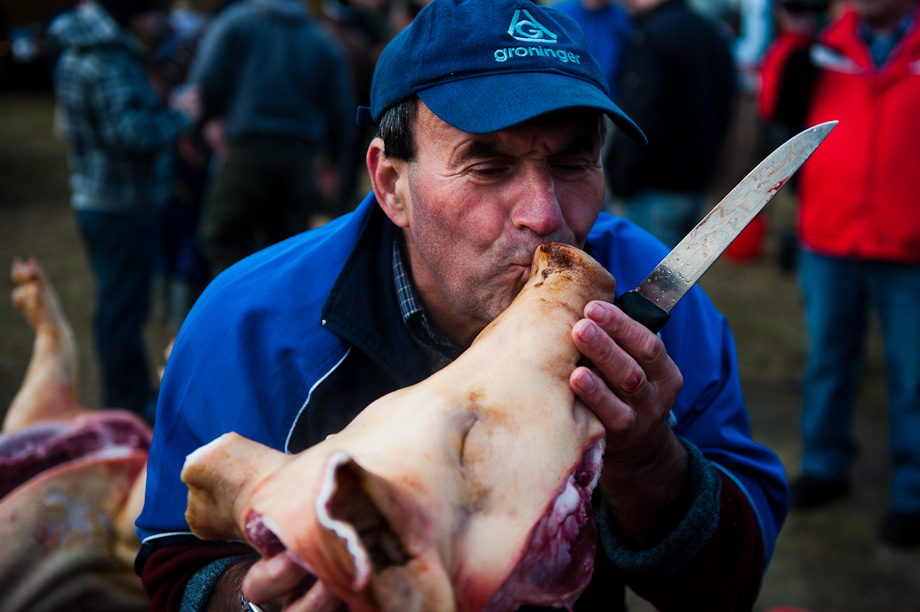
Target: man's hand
x=278, y=579
x=213, y=133
x=631, y=387
x=274, y=584
x=187, y=100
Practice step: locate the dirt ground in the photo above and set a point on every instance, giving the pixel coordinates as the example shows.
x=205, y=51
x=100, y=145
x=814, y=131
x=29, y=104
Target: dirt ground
x=826, y=561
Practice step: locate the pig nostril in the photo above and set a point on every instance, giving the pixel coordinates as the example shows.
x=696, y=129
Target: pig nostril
x=384, y=546
x=352, y=504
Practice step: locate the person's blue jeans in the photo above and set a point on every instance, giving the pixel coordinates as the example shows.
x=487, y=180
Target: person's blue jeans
x=667, y=215
x=122, y=249
x=838, y=296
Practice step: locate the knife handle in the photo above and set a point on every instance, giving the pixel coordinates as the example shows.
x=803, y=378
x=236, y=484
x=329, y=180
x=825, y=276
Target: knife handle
x=643, y=310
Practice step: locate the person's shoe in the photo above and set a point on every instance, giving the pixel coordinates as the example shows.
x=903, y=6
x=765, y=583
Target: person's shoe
x=809, y=492
x=901, y=530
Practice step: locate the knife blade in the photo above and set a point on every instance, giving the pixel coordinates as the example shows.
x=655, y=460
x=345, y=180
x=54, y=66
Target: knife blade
x=651, y=302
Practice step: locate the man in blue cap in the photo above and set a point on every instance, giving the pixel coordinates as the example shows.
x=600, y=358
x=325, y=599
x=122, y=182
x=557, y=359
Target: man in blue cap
x=490, y=118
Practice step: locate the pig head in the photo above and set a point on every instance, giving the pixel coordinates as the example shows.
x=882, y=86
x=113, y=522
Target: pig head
x=468, y=491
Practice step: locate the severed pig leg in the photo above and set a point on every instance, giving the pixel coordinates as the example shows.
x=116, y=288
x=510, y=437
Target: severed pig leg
x=71, y=479
x=49, y=389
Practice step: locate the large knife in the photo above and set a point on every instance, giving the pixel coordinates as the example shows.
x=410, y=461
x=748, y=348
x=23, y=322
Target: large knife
x=651, y=302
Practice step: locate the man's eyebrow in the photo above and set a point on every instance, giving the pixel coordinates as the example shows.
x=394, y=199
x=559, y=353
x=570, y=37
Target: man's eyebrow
x=486, y=149
x=479, y=149
x=582, y=144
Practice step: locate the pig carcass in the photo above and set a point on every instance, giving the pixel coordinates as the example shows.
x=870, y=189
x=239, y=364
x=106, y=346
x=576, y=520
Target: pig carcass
x=71, y=479
x=468, y=491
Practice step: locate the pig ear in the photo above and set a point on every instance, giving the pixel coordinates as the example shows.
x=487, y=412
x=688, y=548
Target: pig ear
x=354, y=532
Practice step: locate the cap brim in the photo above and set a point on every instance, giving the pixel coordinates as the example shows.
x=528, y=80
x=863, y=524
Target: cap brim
x=495, y=102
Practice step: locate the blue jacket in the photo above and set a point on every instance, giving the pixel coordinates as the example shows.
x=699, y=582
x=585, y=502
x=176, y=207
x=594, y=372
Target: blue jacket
x=120, y=135
x=288, y=345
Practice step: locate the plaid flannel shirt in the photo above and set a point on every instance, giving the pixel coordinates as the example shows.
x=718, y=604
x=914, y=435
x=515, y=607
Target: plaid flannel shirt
x=120, y=135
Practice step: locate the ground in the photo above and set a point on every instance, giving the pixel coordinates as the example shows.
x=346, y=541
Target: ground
x=826, y=561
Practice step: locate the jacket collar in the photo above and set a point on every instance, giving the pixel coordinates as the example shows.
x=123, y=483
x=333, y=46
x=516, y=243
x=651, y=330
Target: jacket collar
x=363, y=308
x=844, y=37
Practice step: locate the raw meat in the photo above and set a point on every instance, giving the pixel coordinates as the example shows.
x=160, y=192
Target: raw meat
x=468, y=491
x=71, y=479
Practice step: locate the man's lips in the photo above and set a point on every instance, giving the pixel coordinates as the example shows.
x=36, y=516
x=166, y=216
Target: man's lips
x=522, y=270
x=522, y=260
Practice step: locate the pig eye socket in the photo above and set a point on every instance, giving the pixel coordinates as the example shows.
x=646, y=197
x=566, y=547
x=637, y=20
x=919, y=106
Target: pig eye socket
x=463, y=426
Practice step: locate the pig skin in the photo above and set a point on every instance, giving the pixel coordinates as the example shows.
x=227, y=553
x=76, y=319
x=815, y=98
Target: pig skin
x=71, y=479
x=469, y=491
x=68, y=537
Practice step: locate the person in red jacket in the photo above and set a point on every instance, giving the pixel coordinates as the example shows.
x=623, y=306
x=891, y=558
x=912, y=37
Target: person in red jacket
x=859, y=232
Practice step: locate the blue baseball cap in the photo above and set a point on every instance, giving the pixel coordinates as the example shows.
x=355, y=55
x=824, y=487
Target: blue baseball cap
x=486, y=65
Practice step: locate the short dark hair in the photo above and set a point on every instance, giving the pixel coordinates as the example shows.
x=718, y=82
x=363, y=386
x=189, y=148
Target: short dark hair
x=397, y=129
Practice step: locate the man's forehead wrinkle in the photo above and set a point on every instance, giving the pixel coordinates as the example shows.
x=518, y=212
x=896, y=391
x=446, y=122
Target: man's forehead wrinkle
x=586, y=143
x=580, y=135
x=477, y=147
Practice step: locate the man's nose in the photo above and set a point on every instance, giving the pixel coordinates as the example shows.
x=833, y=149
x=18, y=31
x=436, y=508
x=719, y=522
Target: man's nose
x=537, y=206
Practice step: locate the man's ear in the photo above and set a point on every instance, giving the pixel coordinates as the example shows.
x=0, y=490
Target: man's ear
x=389, y=178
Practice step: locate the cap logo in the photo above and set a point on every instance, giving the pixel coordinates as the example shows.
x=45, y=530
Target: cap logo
x=527, y=29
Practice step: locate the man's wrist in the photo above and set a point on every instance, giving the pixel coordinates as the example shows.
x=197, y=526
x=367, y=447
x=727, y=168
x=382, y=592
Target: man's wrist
x=225, y=592
x=248, y=606
x=686, y=541
x=650, y=498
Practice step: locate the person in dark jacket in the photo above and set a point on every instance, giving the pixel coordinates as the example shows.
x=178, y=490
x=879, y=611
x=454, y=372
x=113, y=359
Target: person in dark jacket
x=678, y=82
x=469, y=176
x=276, y=89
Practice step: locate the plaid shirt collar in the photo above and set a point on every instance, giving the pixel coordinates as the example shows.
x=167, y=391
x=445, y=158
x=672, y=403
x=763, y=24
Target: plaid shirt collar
x=881, y=43
x=412, y=312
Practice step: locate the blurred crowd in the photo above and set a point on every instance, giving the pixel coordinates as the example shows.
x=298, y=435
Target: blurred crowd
x=240, y=91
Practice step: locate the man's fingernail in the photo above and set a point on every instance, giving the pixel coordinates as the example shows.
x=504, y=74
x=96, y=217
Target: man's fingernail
x=597, y=312
x=585, y=382
x=587, y=331
x=277, y=565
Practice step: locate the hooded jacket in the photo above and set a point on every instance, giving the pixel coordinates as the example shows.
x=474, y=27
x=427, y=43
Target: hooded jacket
x=858, y=192
x=120, y=136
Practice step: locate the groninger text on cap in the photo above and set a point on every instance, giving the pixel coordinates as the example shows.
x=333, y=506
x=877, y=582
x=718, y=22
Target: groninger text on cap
x=485, y=65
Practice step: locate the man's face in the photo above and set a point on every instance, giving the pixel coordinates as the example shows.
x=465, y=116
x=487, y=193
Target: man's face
x=882, y=13
x=477, y=207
